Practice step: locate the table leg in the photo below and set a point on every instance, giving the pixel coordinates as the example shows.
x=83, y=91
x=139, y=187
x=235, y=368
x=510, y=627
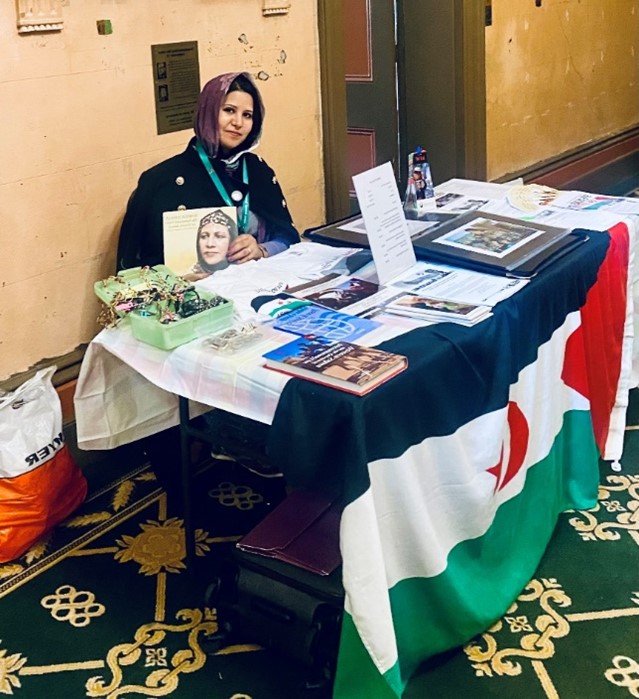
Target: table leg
x=185, y=459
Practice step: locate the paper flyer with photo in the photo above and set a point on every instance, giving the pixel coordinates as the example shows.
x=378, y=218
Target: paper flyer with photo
x=457, y=284
x=439, y=310
x=196, y=240
x=357, y=296
x=451, y=201
x=584, y=201
x=342, y=292
x=412, y=301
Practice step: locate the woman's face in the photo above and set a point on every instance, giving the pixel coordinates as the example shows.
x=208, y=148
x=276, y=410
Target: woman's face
x=235, y=120
x=213, y=242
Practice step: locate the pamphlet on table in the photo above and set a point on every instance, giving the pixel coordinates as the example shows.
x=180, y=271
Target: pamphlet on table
x=361, y=297
x=438, y=310
x=584, y=201
x=458, y=203
x=446, y=294
x=457, y=284
x=337, y=291
x=311, y=319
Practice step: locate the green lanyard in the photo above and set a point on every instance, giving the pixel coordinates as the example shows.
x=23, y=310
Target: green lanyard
x=244, y=216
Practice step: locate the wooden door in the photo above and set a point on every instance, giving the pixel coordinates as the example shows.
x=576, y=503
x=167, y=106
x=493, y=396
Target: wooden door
x=371, y=95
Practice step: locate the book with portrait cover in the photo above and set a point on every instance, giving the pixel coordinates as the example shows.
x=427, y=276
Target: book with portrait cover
x=311, y=319
x=342, y=365
x=196, y=240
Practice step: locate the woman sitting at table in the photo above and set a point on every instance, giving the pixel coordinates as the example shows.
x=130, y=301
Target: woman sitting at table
x=216, y=169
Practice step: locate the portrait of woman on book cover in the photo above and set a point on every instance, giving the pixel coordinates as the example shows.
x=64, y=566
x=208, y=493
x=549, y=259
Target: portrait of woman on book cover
x=196, y=241
x=214, y=235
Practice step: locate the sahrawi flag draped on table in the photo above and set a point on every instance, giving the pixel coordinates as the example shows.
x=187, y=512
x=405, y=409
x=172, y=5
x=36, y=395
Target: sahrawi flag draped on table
x=507, y=474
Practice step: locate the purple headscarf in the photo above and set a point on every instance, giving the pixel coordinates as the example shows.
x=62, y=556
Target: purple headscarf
x=208, y=108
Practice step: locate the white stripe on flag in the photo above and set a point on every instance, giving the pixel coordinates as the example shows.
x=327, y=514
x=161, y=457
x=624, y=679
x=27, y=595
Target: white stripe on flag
x=440, y=493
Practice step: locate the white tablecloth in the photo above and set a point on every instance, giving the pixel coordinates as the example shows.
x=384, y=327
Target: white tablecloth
x=128, y=389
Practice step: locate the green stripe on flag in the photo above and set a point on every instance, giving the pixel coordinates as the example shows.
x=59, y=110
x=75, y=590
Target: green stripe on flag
x=484, y=575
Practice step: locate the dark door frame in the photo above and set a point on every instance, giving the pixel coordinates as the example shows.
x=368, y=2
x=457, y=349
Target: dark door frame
x=333, y=107
x=451, y=121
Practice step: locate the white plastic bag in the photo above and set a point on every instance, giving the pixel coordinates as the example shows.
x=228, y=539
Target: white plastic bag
x=40, y=484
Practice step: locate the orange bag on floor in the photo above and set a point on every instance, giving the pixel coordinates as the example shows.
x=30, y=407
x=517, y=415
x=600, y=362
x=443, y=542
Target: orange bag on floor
x=40, y=484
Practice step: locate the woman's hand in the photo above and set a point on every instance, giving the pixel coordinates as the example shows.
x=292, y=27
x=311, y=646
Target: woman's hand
x=243, y=249
x=195, y=276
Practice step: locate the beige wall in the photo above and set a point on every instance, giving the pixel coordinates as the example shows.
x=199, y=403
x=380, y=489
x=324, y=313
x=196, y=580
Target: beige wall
x=78, y=127
x=557, y=77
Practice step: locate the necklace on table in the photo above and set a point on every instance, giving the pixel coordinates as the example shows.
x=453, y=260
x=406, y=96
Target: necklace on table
x=245, y=213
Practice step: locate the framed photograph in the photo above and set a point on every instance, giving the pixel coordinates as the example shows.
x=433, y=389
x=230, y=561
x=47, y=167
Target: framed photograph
x=494, y=243
x=490, y=237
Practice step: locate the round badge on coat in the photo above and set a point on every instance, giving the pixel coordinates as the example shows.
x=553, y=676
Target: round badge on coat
x=179, y=180
x=236, y=196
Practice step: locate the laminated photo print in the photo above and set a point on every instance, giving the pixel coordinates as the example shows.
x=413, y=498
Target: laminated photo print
x=490, y=237
x=196, y=241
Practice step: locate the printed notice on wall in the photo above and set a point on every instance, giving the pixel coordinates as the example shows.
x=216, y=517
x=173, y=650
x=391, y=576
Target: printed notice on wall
x=176, y=84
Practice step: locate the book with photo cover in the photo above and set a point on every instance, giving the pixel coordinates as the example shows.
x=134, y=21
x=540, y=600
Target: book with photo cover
x=342, y=365
x=196, y=240
x=338, y=292
x=311, y=319
x=496, y=244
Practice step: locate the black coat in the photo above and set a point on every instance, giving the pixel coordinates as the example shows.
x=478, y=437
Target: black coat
x=183, y=182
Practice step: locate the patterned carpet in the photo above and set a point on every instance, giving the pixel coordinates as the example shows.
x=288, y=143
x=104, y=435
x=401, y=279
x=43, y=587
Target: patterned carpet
x=574, y=631
x=104, y=606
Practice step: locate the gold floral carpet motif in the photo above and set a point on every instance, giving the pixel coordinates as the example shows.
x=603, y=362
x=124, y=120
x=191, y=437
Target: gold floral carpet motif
x=104, y=605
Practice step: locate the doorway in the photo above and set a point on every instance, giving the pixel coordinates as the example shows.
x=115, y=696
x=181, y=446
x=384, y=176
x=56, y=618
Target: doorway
x=425, y=58
x=372, y=128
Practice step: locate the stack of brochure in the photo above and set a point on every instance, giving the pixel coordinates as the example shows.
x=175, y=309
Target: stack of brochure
x=438, y=310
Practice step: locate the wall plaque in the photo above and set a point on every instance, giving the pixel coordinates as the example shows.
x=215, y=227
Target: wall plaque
x=176, y=85
x=39, y=16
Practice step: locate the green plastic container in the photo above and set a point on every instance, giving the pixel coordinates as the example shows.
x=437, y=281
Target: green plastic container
x=170, y=335
x=148, y=328
x=159, y=275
